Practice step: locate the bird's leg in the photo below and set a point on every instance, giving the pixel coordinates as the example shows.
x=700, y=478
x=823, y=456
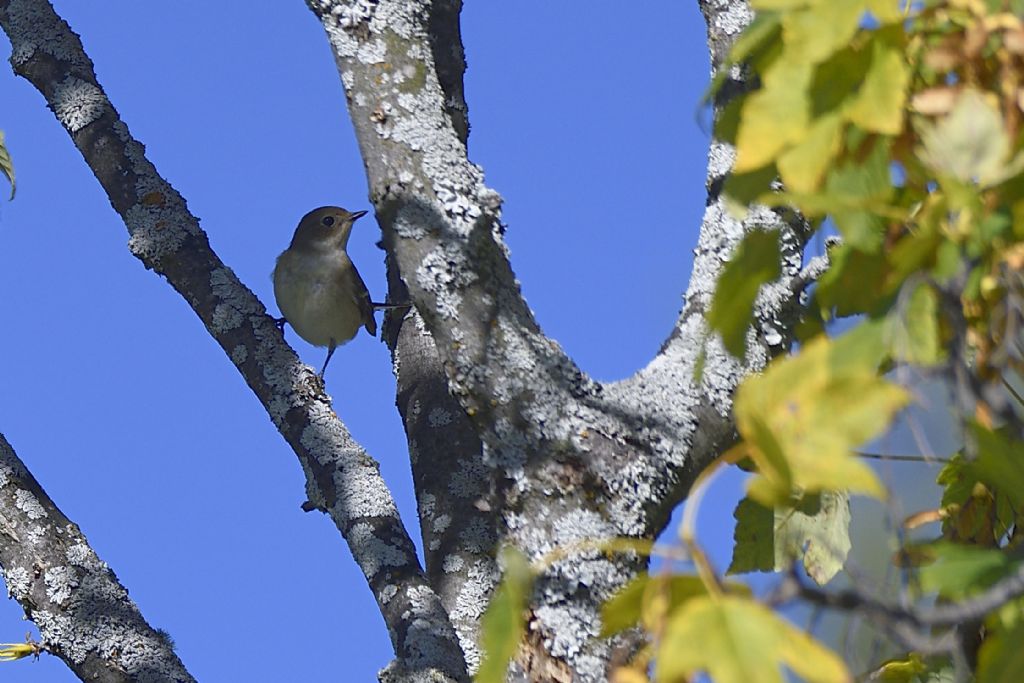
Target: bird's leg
x=389, y=307
x=330, y=352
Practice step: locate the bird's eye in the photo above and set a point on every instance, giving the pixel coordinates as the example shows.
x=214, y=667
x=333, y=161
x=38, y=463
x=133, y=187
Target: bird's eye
x=328, y=221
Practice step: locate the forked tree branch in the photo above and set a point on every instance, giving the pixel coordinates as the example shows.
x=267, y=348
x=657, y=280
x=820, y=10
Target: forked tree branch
x=341, y=478
x=567, y=458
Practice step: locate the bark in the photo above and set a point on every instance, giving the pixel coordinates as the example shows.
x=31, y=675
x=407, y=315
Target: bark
x=510, y=441
x=84, y=614
x=342, y=480
x=563, y=458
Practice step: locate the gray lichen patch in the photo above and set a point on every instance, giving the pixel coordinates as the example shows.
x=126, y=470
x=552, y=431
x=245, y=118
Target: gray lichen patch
x=33, y=26
x=239, y=354
x=18, y=582
x=442, y=272
x=236, y=303
x=154, y=237
x=359, y=488
x=469, y=478
x=29, y=504
x=439, y=417
x=60, y=582
x=373, y=553
x=569, y=631
x=731, y=17
x=225, y=318
x=389, y=591
x=77, y=103
x=426, y=640
x=81, y=555
x=361, y=493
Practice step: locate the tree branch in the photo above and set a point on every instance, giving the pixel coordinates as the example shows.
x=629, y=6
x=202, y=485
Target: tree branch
x=912, y=625
x=458, y=516
x=341, y=479
x=84, y=614
x=569, y=458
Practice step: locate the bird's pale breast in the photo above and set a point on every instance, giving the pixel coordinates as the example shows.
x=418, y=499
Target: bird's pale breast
x=309, y=291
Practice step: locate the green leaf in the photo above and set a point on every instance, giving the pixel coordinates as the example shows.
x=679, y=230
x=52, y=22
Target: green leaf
x=759, y=38
x=880, y=104
x=742, y=189
x=837, y=80
x=754, y=538
x=503, y=624
x=813, y=409
x=1001, y=658
x=6, y=166
x=912, y=328
x=627, y=608
x=755, y=262
x=817, y=532
x=865, y=183
x=970, y=144
x=736, y=640
x=854, y=283
x=1000, y=464
x=959, y=570
x=975, y=513
x=905, y=670
x=764, y=29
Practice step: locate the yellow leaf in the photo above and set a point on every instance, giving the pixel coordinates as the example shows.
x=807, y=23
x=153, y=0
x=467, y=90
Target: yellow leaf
x=886, y=10
x=6, y=166
x=803, y=166
x=901, y=670
x=879, y=104
x=781, y=4
x=736, y=640
x=805, y=414
x=814, y=34
x=775, y=116
x=627, y=674
x=10, y=652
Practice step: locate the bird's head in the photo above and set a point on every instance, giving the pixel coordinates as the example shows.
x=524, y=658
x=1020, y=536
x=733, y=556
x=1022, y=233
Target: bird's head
x=326, y=228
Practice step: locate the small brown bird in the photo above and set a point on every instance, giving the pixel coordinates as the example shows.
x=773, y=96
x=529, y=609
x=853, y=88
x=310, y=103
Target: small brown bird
x=318, y=289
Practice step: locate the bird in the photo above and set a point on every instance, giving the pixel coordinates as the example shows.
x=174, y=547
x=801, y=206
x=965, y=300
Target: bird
x=317, y=287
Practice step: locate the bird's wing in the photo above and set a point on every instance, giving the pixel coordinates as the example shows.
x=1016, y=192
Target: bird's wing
x=362, y=299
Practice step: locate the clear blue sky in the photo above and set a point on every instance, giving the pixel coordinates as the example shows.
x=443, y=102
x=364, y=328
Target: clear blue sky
x=133, y=419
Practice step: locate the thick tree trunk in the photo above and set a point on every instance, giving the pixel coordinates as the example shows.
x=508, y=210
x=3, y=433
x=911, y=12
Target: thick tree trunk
x=540, y=455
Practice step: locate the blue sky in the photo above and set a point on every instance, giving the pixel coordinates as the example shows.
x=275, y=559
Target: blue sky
x=132, y=418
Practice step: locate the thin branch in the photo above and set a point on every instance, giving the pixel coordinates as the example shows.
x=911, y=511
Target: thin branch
x=342, y=479
x=84, y=614
x=903, y=458
x=911, y=625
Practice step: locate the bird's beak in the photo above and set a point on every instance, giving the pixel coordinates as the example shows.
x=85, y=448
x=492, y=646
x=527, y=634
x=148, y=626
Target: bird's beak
x=357, y=214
